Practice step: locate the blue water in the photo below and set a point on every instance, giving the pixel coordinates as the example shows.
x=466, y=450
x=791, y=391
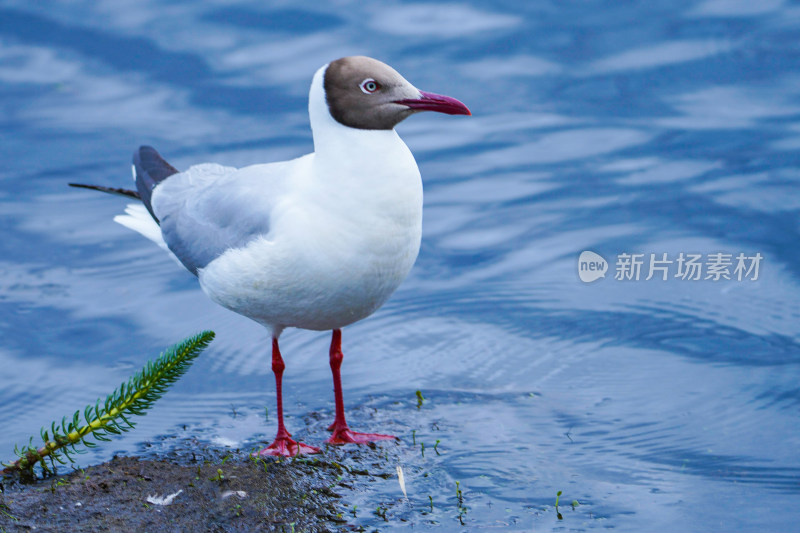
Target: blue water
x=615, y=127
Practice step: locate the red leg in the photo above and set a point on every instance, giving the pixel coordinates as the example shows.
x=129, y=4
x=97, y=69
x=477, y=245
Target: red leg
x=283, y=445
x=341, y=433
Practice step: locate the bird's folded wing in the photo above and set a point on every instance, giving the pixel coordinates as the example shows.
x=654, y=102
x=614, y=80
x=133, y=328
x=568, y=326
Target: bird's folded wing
x=210, y=209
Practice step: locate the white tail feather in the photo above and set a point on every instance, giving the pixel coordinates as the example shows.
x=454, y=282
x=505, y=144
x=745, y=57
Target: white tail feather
x=138, y=218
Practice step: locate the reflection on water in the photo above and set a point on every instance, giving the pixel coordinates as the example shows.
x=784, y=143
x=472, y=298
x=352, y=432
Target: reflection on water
x=656, y=128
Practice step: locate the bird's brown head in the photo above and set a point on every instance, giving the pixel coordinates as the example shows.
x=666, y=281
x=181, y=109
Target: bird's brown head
x=364, y=93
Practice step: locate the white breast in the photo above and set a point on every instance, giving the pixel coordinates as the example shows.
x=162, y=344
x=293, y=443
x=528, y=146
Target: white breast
x=343, y=237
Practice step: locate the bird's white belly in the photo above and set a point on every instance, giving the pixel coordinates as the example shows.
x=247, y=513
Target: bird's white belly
x=321, y=277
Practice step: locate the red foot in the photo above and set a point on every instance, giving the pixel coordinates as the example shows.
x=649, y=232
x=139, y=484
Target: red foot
x=344, y=435
x=287, y=447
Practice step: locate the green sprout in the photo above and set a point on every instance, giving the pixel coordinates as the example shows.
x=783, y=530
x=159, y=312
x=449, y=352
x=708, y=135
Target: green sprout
x=420, y=399
x=102, y=420
x=219, y=477
x=462, y=509
x=4, y=511
x=558, y=514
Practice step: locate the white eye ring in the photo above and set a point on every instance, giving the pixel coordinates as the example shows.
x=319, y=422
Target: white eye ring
x=369, y=86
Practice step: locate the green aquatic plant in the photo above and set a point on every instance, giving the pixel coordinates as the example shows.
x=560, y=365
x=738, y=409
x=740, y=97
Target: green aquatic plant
x=462, y=509
x=420, y=399
x=104, y=419
x=558, y=514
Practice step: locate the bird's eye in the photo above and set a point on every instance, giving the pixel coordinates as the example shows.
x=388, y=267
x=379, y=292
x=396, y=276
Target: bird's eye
x=369, y=86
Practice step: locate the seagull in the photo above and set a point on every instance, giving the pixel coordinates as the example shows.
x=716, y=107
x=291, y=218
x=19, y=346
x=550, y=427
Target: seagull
x=318, y=242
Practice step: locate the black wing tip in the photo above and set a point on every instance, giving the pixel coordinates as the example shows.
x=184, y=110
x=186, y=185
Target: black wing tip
x=148, y=159
x=150, y=169
x=144, y=150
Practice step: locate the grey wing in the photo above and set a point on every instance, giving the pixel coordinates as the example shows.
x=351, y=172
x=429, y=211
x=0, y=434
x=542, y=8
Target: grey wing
x=210, y=209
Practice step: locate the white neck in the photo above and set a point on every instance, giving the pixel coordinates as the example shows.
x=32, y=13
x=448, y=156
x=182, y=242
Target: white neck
x=333, y=141
x=368, y=167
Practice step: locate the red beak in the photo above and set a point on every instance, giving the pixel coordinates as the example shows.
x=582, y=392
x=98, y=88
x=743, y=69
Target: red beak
x=436, y=102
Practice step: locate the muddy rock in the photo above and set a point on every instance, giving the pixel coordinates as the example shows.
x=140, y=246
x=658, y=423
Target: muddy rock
x=218, y=493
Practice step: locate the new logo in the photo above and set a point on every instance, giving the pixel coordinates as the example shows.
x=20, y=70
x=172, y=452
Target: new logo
x=591, y=266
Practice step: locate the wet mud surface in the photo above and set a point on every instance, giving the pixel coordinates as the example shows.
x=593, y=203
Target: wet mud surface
x=216, y=491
